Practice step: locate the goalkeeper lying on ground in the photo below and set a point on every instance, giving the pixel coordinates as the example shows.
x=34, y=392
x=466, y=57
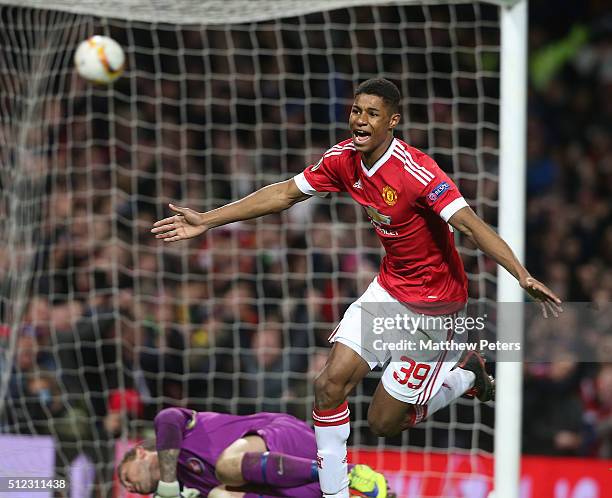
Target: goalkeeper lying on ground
x=231, y=456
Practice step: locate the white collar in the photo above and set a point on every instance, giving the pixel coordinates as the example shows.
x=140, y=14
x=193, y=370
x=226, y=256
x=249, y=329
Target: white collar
x=381, y=160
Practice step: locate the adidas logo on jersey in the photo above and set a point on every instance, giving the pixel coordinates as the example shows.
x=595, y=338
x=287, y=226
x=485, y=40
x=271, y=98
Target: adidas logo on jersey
x=357, y=184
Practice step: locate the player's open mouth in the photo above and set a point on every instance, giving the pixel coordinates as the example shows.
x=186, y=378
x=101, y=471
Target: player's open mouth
x=361, y=136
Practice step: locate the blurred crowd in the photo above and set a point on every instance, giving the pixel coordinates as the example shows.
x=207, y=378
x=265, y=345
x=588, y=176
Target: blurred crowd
x=118, y=326
x=568, y=402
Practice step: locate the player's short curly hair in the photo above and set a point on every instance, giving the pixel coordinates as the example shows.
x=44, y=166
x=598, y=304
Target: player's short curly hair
x=384, y=88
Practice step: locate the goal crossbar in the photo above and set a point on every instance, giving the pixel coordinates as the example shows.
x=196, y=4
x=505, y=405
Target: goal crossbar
x=214, y=11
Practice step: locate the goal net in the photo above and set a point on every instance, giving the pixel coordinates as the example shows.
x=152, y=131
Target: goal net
x=101, y=325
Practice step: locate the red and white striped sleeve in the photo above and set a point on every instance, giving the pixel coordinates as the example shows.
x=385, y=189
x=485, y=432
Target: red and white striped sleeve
x=437, y=191
x=442, y=195
x=323, y=177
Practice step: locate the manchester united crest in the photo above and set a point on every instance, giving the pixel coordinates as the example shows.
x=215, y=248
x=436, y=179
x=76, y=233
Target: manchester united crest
x=389, y=195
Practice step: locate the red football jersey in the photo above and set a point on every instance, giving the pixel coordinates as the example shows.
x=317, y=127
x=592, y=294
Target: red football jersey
x=409, y=200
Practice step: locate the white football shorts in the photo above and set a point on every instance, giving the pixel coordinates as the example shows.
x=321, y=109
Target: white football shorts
x=372, y=329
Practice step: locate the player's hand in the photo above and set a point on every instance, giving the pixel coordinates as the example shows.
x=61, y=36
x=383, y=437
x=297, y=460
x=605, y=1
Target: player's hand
x=548, y=300
x=186, y=224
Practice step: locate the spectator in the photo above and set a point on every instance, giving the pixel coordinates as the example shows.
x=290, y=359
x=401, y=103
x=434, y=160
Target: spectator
x=598, y=400
x=122, y=404
x=264, y=376
x=552, y=409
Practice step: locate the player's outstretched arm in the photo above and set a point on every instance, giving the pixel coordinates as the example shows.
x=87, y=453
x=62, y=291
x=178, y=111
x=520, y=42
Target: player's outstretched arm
x=485, y=238
x=187, y=223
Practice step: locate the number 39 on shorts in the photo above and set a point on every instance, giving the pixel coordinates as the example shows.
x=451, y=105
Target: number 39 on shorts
x=417, y=372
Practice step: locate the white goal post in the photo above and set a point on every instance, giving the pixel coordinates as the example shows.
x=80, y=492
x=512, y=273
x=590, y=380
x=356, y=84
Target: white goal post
x=54, y=87
x=512, y=193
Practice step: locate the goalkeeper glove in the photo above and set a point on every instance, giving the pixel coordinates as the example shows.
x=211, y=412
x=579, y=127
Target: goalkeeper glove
x=173, y=490
x=168, y=490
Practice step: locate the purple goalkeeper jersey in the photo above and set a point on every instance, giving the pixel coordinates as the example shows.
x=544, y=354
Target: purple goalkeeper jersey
x=207, y=434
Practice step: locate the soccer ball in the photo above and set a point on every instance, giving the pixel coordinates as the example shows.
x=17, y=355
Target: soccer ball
x=99, y=59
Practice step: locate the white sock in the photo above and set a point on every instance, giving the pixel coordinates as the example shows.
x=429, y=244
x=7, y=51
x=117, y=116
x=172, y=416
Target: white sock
x=332, y=429
x=456, y=383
